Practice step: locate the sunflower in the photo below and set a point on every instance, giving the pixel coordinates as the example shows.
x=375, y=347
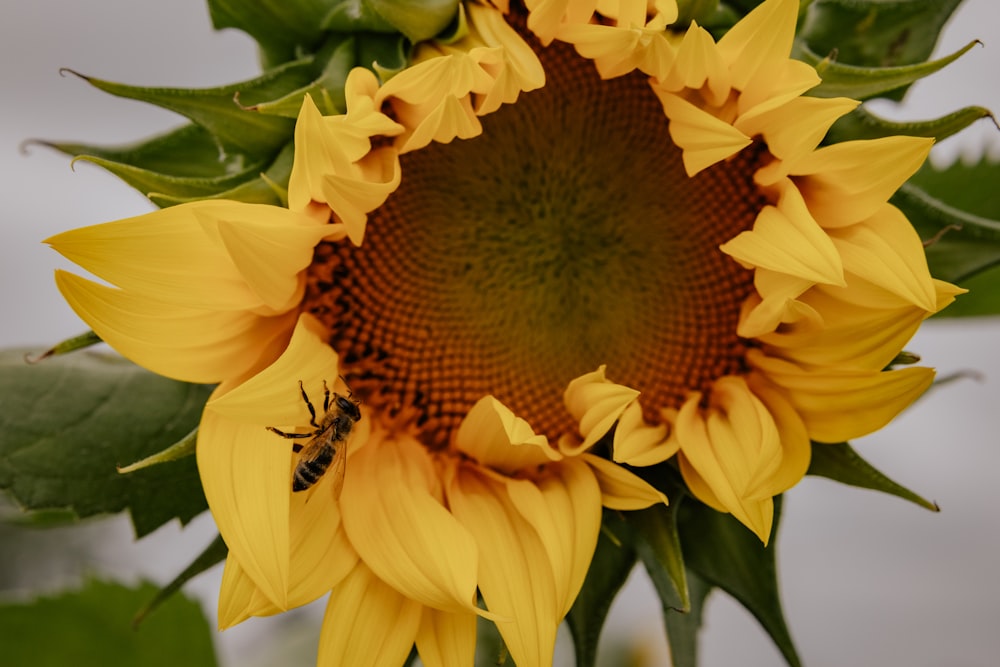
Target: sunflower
x=574, y=231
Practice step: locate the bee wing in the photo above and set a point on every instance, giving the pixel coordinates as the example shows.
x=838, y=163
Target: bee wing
x=337, y=469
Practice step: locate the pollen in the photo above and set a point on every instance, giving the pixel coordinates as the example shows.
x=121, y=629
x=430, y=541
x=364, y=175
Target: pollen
x=567, y=235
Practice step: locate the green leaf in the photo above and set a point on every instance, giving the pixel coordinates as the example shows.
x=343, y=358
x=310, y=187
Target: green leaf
x=213, y=554
x=93, y=626
x=724, y=553
x=69, y=422
x=862, y=83
x=683, y=627
x=862, y=124
x=841, y=463
x=969, y=187
x=613, y=561
x=284, y=29
x=876, y=33
x=236, y=129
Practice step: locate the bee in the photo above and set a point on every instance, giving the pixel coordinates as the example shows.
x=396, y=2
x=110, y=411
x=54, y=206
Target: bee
x=327, y=447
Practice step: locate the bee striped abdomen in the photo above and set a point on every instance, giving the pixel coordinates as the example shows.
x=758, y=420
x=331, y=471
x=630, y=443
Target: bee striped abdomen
x=308, y=471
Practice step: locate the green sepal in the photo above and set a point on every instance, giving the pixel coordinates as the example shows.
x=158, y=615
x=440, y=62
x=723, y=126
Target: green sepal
x=70, y=421
x=161, y=187
x=92, y=626
x=267, y=187
x=213, y=554
x=721, y=551
x=841, y=463
x=683, y=627
x=702, y=11
x=284, y=29
x=386, y=55
x=862, y=83
x=189, y=151
x=418, y=20
x=609, y=569
x=181, y=449
x=73, y=344
x=327, y=90
x=956, y=212
x=876, y=33
x=216, y=109
x=659, y=547
x=863, y=124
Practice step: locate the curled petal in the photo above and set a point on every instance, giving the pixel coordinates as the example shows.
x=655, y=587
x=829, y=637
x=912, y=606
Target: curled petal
x=357, y=629
x=621, y=489
x=698, y=65
x=496, y=437
x=545, y=16
x=639, y=443
x=795, y=128
x=704, y=138
x=596, y=403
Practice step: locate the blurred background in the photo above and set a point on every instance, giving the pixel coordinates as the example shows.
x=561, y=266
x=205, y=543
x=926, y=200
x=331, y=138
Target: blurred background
x=866, y=579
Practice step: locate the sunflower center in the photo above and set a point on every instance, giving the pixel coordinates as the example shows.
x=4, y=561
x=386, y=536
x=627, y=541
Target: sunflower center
x=566, y=236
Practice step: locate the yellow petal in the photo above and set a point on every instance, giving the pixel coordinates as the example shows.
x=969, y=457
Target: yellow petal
x=786, y=239
x=367, y=623
x=760, y=40
x=271, y=255
x=442, y=121
x=704, y=138
x=189, y=344
x=698, y=65
x=317, y=153
x=363, y=189
x=796, y=127
x=638, y=443
x=175, y=255
x=395, y=518
x=621, y=489
x=848, y=182
x=596, y=403
x=851, y=337
x=272, y=397
x=244, y=473
x=734, y=445
x=564, y=507
x=496, y=437
x=839, y=405
x=236, y=594
x=446, y=639
x=518, y=68
x=545, y=16
x=775, y=303
x=886, y=251
x=515, y=575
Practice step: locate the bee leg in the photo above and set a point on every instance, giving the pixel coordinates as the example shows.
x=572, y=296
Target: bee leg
x=312, y=411
x=289, y=435
x=296, y=448
x=326, y=398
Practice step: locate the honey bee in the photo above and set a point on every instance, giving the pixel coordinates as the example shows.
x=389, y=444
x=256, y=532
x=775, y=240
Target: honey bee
x=327, y=448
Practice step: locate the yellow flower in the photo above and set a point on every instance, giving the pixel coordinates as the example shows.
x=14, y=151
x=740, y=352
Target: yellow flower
x=582, y=187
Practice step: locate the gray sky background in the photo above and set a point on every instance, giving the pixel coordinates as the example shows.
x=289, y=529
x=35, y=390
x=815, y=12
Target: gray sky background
x=866, y=579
